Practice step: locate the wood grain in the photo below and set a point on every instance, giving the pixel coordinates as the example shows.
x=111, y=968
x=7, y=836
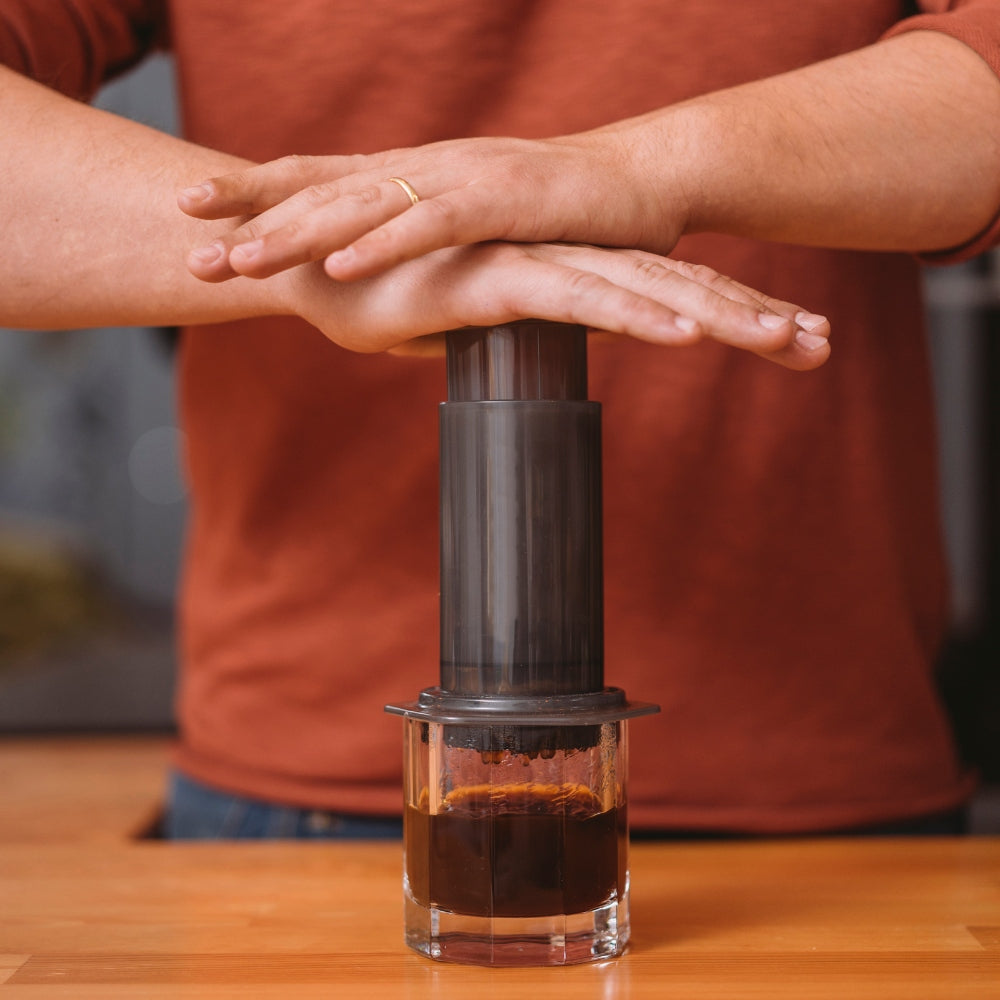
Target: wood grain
x=9, y=964
x=79, y=787
x=988, y=937
x=89, y=913
x=813, y=920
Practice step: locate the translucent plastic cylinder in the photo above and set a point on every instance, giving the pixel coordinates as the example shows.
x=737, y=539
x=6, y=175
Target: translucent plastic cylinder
x=512, y=857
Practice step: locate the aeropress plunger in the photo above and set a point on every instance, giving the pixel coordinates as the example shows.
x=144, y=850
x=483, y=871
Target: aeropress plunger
x=515, y=830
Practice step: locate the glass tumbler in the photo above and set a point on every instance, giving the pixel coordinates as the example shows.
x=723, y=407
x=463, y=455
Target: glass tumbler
x=515, y=842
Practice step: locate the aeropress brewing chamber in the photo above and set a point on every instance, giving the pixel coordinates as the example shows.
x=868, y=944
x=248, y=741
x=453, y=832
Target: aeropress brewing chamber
x=515, y=830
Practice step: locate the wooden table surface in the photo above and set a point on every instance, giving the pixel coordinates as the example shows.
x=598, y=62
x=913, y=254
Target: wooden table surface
x=74, y=788
x=99, y=918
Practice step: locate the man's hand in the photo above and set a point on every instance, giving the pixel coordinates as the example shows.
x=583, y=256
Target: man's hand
x=406, y=282
x=581, y=189
x=620, y=291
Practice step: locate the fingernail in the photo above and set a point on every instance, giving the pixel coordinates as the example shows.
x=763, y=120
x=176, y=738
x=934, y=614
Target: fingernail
x=809, y=341
x=200, y=192
x=247, y=250
x=686, y=324
x=207, y=255
x=771, y=321
x=809, y=321
x=339, y=257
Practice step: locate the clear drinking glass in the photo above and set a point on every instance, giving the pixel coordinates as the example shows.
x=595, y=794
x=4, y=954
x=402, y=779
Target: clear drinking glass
x=516, y=854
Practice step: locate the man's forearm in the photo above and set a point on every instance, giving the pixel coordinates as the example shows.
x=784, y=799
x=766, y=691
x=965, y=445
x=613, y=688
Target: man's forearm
x=89, y=223
x=892, y=147
x=92, y=236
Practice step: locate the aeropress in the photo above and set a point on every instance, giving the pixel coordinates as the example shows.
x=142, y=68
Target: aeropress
x=515, y=830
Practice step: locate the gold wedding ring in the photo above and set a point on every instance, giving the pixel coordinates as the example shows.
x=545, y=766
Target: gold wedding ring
x=408, y=188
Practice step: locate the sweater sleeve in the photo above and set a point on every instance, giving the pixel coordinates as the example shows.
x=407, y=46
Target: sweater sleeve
x=977, y=24
x=74, y=46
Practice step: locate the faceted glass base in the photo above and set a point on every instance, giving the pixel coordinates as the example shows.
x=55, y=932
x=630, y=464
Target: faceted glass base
x=561, y=939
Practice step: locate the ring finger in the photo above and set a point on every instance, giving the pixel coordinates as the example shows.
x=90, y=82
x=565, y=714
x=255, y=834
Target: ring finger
x=309, y=225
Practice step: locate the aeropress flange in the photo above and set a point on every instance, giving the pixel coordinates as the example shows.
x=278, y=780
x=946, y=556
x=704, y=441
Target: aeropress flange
x=515, y=829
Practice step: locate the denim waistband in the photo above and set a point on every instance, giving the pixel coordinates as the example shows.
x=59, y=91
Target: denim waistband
x=198, y=812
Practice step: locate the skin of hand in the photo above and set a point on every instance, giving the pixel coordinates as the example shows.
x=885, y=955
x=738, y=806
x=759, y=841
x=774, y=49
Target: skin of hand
x=618, y=291
x=891, y=147
x=93, y=237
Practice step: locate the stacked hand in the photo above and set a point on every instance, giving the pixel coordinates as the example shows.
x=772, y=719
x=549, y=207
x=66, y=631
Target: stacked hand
x=471, y=190
x=439, y=263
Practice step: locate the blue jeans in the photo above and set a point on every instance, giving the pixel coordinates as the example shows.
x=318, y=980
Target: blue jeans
x=197, y=812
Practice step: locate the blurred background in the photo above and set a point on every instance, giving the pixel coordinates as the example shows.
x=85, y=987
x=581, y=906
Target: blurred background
x=92, y=509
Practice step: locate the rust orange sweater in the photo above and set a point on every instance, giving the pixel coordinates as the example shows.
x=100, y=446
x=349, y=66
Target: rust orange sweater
x=774, y=571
